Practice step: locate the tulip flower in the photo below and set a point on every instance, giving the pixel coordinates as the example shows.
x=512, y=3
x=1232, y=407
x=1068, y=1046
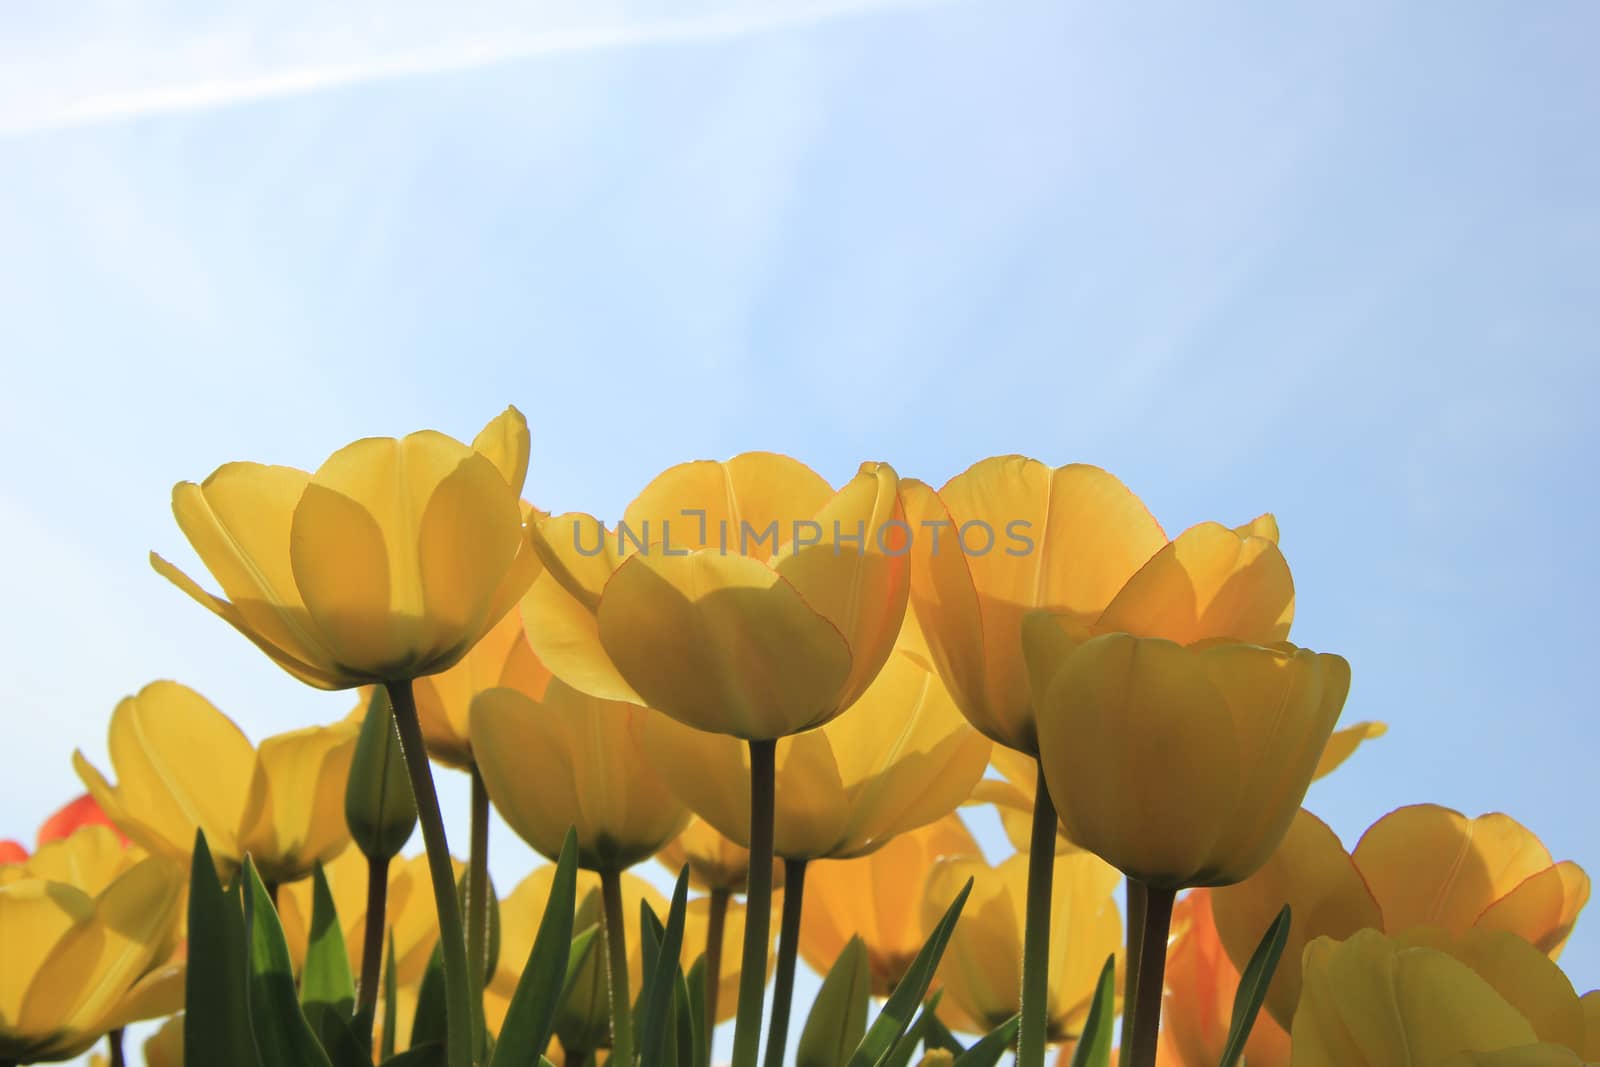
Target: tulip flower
x=878, y=897
x=182, y=765
x=72, y=816
x=900, y=758
x=90, y=859
x=12, y=852
x=980, y=971
x=1418, y=866
x=164, y=1048
x=716, y=864
x=385, y=565
x=80, y=964
x=1431, y=998
x=1197, y=1009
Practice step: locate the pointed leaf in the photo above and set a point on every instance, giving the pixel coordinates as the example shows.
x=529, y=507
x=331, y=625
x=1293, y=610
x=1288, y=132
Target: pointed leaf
x=326, y=977
x=216, y=1027
x=940, y=1037
x=896, y=1014
x=993, y=1045
x=391, y=993
x=1253, y=986
x=430, y=1055
x=429, y=1023
x=526, y=1031
x=661, y=982
x=337, y=1035
x=1094, y=1044
x=900, y=1054
x=696, y=990
x=283, y=1037
x=838, y=1016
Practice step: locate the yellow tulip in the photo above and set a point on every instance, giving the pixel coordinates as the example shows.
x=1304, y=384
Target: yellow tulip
x=388, y=563
x=80, y=964
x=1418, y=866
x=1197, y=1008
x=583, y=1021
x=715, y=863
x=1185, y=766
x=90, y=859
x=164, y=1048
x=557, y=758
x=408, y=914
x=444, y=700
x=734, y=596
x=1062, y=540
x=1432, y=999
x=900, y=758
x=182, y=765
x=980, y=970
x=878, y=897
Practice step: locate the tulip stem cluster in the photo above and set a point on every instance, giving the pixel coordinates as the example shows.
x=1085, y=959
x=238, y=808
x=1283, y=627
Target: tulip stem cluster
x=1036, y=929
x=614, y=931
x=1146, y=1006
x=461, y=1018
x=716, y=922
x=794, y=881
x=372, y=939
x=758, y=904
x=1130, y=978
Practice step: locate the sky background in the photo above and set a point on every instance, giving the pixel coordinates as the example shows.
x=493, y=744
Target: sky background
x=1336, y=263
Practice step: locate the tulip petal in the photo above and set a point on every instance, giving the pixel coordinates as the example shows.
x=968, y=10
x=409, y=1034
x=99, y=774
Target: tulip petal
x=751, y=504
x=1430, y=866
x=1543, y=908
x=444, y=700
x=722, y=643
x=1312, y=873
x=1208, y=583
x=1343, y=744
x=1141, y=753
x=294, y=811
x=504, y=442
x=1264, y=526
x=89, y=859
x=35, y=915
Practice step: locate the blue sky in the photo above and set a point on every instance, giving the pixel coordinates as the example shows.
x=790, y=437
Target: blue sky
x=1338, y=264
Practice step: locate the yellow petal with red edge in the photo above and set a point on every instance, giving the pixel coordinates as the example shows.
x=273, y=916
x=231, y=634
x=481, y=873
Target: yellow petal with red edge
x=399, y=548
x=1284, y=702
x=1428, y=865
x=1312, y=873
x=722, y=643
x=94, y=965
x=1543, y=908
x=1064, y=539
x=1142, y=756
x=559, y=610
x=858, y=575
x=1528, y=980
x=182, y=765
x=904, y=753
x=294, y=811
x=504, y=442
x=944, y=604
x=1368, y=1001
x=750, y=504
x=1208, y=583
x=239, y=521
x=1342, y=745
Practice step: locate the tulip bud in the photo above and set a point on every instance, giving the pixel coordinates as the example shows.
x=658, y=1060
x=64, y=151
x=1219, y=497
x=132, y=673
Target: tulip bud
x=378, y=805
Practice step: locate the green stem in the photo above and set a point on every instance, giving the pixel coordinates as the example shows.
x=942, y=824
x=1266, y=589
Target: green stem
x=614, y=931
x=716, y=921
x=1036, y=929
x=1137, y=904
x=114, y=1040
x=372, y=941
x=758, y=905
x=478, y=885
x=794, y=884
x=461, y=1022
x=1152, y=968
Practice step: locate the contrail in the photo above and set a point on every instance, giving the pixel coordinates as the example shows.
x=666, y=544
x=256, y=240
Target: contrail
x=212, y=95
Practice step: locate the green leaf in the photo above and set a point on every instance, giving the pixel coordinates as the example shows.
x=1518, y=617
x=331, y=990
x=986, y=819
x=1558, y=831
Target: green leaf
x=1094, y=1044
x=429, y=1055
x=391, y=993
x=337, y=1035
x=940, y=1037
x=896, y=1014
x=283, y=1037
x=429, y=1023
x=529, y=1019
x=993, y=1045
x=838, y=1016
x=1253, y=985
x=582, y=944
x=326, y=977
x=216, y=1027
x=661, y=981
x=696, y=989
x=900, y=1054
